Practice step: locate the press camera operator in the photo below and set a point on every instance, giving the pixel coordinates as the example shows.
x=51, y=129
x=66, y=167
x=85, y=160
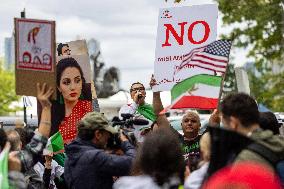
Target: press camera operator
x=139, y=109
x=87, y=164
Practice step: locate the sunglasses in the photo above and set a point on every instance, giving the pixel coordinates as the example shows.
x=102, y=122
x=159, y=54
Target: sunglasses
x=67, y=50
x=137, y=89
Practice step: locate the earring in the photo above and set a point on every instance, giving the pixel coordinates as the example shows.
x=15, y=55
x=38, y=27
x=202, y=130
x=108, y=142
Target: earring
x=81, y=97
x=61, y=100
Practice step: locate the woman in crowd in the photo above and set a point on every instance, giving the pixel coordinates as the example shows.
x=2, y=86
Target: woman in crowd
x=74, y=99
x=160, y=162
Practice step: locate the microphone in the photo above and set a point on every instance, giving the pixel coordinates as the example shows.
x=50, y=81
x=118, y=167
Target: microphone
x=140, y=122
x=134, y=122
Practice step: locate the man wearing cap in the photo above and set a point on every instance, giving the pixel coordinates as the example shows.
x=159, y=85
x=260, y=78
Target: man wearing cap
x=87, y=164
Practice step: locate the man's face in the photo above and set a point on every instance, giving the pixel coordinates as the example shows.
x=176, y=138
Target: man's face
x=137, y=88
x=190, y=124
x=66, y=50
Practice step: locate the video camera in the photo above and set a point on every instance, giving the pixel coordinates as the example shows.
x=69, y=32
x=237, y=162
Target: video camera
x=126, y=127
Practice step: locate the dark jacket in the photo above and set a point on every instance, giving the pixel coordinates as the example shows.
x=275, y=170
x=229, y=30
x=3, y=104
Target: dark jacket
x=266, y=138
x=89, y=167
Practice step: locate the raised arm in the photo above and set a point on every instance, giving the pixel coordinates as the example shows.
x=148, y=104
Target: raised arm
x=43, y=94
x=162, y=120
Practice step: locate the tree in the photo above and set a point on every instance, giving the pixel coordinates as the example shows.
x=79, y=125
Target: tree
x=230, y=84
x=7, y=88
x=259, y=26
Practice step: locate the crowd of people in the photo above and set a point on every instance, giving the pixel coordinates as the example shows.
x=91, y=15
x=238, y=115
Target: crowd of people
x=241, y=147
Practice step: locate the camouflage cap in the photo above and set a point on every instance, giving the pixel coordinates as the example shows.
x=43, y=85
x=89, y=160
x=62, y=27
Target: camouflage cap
x=96, y=120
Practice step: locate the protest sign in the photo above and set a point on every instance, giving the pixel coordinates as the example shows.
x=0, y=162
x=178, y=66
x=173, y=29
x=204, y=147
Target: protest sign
x=180, y=30
x=35, y=55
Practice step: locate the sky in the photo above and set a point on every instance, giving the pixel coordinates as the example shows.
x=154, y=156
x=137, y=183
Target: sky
x=125, y=29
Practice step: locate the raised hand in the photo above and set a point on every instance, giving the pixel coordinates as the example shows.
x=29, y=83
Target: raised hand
x=43, y=94
x=215, y=118
x=153, y=81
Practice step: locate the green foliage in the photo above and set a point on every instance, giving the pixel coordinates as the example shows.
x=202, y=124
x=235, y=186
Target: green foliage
x=268, y=89
x=259, y=25
x=7, y=88
x=230, y=84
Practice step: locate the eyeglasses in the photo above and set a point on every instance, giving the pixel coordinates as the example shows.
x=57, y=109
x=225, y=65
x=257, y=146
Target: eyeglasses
x=67, y=50
x=137, y=89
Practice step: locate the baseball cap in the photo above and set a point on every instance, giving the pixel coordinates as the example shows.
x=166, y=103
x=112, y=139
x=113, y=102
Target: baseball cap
x=96, y=120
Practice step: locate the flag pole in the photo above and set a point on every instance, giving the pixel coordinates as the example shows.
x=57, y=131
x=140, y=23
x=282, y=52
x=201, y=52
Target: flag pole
x=222, y=86
x=223, y=80
x=23, y=15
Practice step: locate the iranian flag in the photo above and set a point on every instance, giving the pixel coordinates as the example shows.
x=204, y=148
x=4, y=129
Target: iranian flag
x=55, y=143
x=198, y=92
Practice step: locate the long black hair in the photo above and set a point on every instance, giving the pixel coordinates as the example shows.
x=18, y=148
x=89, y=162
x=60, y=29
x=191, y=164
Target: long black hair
x=160, y=156
x=58, y=109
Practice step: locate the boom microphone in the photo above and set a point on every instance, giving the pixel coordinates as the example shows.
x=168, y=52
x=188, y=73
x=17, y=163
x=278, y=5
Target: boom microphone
x=140, y=122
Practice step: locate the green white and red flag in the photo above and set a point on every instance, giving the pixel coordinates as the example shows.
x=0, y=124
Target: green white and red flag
x=197, y=92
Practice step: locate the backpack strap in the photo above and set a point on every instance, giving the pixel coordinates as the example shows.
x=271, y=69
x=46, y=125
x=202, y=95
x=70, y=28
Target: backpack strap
x=264, y=152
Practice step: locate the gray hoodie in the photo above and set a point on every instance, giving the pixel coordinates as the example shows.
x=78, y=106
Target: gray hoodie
x=267, y=139
x=142, y=182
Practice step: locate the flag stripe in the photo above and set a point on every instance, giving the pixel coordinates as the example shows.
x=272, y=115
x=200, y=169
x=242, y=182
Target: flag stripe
x=206, y=55
x=186, y=58
x=206, y=59
x=193, y=50
x=205, y=90
x=208, y=67
x=196, y=102
x=211, y=58
x=56, y=141
x=205, y=63
x=216, y=54
x=189, y=83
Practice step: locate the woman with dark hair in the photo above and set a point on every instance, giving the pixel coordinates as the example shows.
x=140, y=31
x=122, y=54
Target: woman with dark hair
x=74, y=99
x=160, y=161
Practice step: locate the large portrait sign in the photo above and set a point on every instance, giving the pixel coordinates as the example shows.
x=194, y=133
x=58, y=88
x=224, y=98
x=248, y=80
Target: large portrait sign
x=181, y=30
x=35, y=54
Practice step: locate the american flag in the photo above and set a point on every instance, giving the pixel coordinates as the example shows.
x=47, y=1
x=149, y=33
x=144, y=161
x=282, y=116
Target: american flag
x=214, y=57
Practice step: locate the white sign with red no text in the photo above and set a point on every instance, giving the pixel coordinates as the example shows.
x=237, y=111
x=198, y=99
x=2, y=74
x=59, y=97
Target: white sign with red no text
x=180, y=30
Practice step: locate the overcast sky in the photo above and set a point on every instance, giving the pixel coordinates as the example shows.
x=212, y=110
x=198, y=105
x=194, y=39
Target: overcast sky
x=126, y=29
